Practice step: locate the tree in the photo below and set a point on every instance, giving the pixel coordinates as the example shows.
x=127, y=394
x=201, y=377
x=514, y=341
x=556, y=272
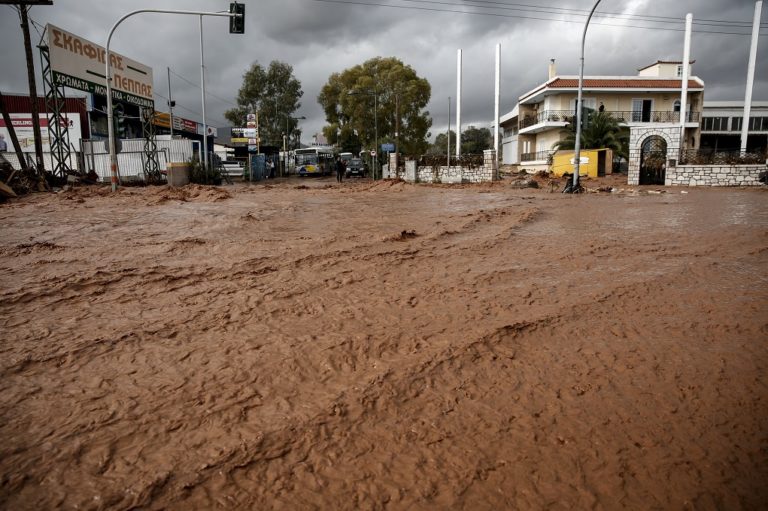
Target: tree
x=348, y=99
x=476, y=140
x=441, y=144
x=275, y=94
x=600, y=131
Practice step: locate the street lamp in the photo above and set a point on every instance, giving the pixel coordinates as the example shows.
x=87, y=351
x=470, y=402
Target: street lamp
x=577, y=145
x=375, y=95
x=285, y=150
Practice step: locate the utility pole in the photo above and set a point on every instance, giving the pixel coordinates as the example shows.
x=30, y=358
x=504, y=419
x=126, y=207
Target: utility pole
x=23, y=8
x=202, y=83
x=171, y=103
x=684, y=81
x=496, y=99
x=449, y=133
x=458, y=104
x=397, y=129
x=580, y=108
x=12, y=133
x=750, y=76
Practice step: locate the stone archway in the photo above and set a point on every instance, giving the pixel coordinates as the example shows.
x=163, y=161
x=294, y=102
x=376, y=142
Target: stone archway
x=653, y=160
x=638, y=136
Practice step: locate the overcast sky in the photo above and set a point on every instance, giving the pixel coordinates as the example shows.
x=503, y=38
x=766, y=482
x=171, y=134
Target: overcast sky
x=319, y=37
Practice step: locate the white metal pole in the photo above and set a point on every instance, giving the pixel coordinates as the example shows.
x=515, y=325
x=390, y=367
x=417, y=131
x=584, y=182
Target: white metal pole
x=376, y=133
x=496, y=105
x=577, y=144
x=458, y=104
x=684, y=79
x=170, y=103
x=108, y=74
x=750, y=75
x=449, y=132
x=202, y=82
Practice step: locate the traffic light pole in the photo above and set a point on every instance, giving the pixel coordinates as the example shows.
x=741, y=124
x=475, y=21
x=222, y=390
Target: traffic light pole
x=108, y=74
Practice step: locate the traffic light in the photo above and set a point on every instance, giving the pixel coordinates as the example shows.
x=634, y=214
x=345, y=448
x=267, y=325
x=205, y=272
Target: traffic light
x=237, y=23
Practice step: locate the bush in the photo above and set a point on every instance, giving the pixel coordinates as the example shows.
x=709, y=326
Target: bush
x=202, y=175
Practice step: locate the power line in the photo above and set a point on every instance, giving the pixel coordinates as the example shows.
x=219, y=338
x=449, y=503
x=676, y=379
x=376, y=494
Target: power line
x=583, y=12
x=498, y=15
x=178, y=105
x=197, y=85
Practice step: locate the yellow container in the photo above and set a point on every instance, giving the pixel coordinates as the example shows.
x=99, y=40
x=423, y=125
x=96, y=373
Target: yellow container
x=594, y=162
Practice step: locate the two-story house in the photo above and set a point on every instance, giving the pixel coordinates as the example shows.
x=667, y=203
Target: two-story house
x=647, y=103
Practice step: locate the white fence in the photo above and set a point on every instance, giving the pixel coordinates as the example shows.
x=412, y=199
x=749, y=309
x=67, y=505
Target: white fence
x=130, y=160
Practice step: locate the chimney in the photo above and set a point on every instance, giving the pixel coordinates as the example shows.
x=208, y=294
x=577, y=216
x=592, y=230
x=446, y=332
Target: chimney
x=552, y=69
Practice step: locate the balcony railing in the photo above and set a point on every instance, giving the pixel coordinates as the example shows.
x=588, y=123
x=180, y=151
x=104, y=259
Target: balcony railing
x=540, y=155
x=547, y=116
x=712, y=157
x=621, y=116
x=653, y=116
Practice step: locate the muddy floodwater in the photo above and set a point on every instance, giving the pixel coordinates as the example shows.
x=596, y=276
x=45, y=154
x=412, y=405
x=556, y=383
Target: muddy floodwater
x=305, y=345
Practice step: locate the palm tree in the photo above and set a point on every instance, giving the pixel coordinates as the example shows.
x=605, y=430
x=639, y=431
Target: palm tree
x=600, y=131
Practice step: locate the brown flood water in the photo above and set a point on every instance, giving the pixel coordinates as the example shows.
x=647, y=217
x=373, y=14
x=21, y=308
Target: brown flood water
x=305, y=345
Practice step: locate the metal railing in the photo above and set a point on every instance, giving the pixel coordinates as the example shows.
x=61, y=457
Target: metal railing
x=713, y=157
x=48, y=160
x=547, y=116
x=537, y=156
x=621, y=116
x=653, y=116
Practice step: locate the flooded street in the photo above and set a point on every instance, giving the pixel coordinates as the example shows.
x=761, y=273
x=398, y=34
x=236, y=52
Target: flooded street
x=307, y=345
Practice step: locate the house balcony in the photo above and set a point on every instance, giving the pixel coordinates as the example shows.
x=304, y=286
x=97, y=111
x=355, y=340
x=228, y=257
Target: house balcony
x=537, y=158
x=549, y=119
x=545, y=120
x=656, y=116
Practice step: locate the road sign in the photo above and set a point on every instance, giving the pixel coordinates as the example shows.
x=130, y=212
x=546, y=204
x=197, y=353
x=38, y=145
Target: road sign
x=250, y=117
x=250, y=133
x=373, y=153
x=387, y=148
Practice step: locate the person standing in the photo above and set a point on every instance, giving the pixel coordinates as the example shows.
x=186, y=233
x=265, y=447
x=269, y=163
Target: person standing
x=3, y=145
x=340, y=168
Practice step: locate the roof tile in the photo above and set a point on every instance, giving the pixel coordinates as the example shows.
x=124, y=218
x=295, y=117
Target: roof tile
x=565, y=83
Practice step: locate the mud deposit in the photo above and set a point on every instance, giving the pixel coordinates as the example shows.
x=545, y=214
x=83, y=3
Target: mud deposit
x=384, y=346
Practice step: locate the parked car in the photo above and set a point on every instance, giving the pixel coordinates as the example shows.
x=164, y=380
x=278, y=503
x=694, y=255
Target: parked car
x=356, y=167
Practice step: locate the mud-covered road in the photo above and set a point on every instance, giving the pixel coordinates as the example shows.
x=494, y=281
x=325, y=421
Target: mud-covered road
x=303, y=345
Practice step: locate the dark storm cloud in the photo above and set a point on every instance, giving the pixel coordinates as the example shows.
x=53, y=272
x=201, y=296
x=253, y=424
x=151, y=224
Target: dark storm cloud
x=319, y=38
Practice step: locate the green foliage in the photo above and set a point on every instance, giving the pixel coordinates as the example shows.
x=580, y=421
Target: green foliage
x=441, y=144
x=600, y=131
x=275, y=94
x=476, y=140
x=348, y=101
x=202, y=175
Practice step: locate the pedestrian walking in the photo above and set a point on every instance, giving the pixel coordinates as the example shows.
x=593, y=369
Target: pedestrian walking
x=340, y=168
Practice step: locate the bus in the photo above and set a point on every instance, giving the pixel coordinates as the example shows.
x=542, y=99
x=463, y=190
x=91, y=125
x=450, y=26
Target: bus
x=314, y=161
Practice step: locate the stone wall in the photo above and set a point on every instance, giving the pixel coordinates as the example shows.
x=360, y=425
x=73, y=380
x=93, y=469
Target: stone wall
x=714, y=175
x=638, y=135
x=444, y=174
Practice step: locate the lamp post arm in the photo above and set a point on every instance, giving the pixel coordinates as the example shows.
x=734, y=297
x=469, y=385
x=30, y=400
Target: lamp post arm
x=108, y=77
x=577, y=144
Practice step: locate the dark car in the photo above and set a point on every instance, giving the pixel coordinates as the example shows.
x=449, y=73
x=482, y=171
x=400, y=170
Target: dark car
x=356, y=167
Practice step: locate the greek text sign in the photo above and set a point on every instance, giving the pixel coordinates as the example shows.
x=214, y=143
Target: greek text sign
x=79, y=64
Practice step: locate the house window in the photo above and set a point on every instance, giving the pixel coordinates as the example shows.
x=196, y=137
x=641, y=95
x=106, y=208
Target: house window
x=679, y=72
x=590, y=104
x=758, y=124
x=676, y=108
x=736, y=123
x=714, y=124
